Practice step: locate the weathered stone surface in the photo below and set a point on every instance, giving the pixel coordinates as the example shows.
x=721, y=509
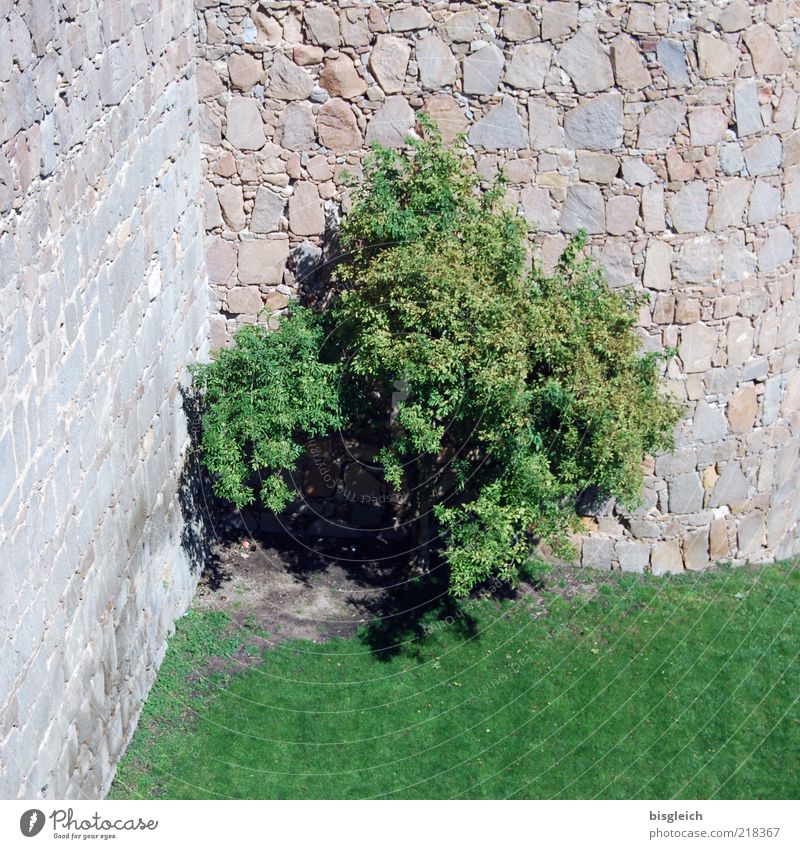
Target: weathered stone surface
x=232, y=205
x=500, y=128
x=735, y=16
x=657, y=266
x=633, y=556
x=392, y=123
x=388, y=62
x=307, y=54
x=595, y=124
x=765, y=203
x=658, y=126
x=288, y=81
x=666, y=558
x=718, y=543
x=715, y=57
x=672, y=58
x=791, y=149
x=699, y=260
x=295, y=129
x=697, y=347
x=586, y=62
x=244, y=299
x=729, y=207
x=636, y=173
x=617, y=261
x=731, y=158
x=543, y=126
x=337, y=126
x=598, y=552
x=777, y=249
x=731, y=486
x=482, y=70
x=262, y=261
x=654, y=209
x=583, y=208
x=629, y=70
x=748, y=111
x=267, y=211
x=461, y=26
x=245, y=71
x=208, y=82
x=621, y=214
x=410, y=18
x=436, y=63
x=768, y=58
x=685, y=493
x=306, y=217
x=709, y=425
x=597, y=167
x=340, y=78
x=354, y=27
x=519, y=24
x=220, y=260
x=322, y=24
x=695, y=549
x=742, y=409
x=558, y=19
x=764, y=156
x=751, y=533
x=688, y=208
x=244, y=127
x=529, y=66
x=707, y=125
x=445, y=111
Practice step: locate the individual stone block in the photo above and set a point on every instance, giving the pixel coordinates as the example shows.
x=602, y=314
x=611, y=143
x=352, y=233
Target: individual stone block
x=354, y=27
x=460, y=26
x=537, y=209
x=337, y=126
x=695, y=549
x=388, y=62
x=306, y=216
x=657, y=266
x=699, y=260
x=340, y=78
x=596, y=123
x=543, y=125
x=636, y=173
x=697, y=347
x=519, y=25
x=748, y=111
x=322, y=23
x=765, y=203
x=731, y=486
x=295, y=130
x=529, y=66
x=598, y=552
x=657, y=127
x=709, y=425
x=672, y=58
x=653, y=209
x=764, y=156
x=629, y=70
x=791, y=149
x=731, y=158
x=707, y=125
x=597, y=167
x=267, y=211
x=666, y=558
x=583, y=209
x=617, y=262
x=750, y=533
x=212, y=214
x=244, y=299
x=715, y=57
x=558, y=19
x=392, y=123
x=586, y=62
x=410, y=18
x=449, y=118
x=500, y=128
x=621, y=214
x=688, y=208
x=768, y=58
x=685, y=493
x=482, y=70
x=742, y=409
x=777, y=249
x=244, y=71
x=436, y=63
x=288, y=81
x=232, y=204
x=208, y=82
x=244, y=125
x=633, y=556
x=735, y=16
x=730, y=205
x=220, y=256
x=262, y=261
x=718, y=544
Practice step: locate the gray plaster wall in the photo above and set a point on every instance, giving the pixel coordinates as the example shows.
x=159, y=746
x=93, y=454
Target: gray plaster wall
x=102, y=304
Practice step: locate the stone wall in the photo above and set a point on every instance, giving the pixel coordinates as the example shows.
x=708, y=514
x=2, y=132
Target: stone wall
x=669, y=130
x=102, y=302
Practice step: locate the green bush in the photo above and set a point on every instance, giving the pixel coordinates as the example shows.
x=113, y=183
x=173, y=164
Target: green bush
x=520, y=391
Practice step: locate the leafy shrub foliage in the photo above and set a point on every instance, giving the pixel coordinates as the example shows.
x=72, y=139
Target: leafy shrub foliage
x=521, y=391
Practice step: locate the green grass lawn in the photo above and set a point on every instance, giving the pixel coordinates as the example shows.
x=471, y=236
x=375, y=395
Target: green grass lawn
x=682, y=687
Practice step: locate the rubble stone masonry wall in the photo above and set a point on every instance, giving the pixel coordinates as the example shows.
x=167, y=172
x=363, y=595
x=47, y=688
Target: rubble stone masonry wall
x=102, y=303
x=669, y=130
